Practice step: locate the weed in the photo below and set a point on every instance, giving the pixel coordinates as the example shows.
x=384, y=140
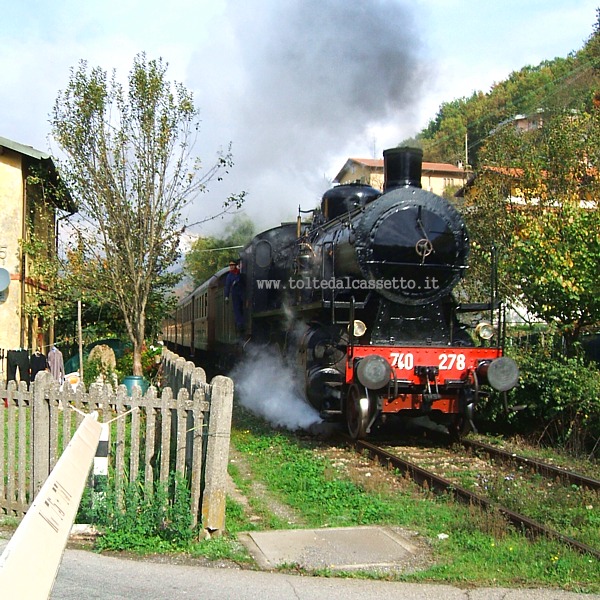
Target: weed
x=139, y=521
x=221, y=548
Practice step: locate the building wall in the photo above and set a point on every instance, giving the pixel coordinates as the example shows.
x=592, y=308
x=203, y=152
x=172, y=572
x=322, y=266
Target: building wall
x=11, y=204
x=438, y=182
x=431, y=180
x=376, y=180
x=18, y=330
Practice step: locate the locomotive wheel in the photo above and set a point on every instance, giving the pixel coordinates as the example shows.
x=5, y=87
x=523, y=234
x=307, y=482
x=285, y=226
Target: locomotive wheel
x=357, y=412
x=459, y=427
x=463, y=423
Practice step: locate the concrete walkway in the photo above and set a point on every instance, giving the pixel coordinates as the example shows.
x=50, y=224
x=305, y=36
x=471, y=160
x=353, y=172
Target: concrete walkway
x=84, y=574
x=92, y=576
x=337, y=549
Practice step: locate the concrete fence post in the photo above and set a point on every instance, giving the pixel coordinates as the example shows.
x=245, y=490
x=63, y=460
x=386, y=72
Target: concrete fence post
x=40, y=431
x=217, y=455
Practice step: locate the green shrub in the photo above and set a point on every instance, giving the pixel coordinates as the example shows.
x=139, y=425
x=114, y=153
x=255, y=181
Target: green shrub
x=562, y=399
x=93, y=369
x=150, y=364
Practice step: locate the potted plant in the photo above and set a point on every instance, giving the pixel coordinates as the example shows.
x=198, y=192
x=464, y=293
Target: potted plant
x=150, y=364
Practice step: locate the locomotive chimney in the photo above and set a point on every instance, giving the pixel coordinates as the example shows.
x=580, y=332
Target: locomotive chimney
x=402, y=168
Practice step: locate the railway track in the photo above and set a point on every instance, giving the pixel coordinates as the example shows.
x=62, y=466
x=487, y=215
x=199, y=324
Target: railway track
x=442, y=485
x=542, y=468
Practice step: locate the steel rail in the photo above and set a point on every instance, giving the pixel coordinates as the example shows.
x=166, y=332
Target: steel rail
x=540, y=467
x=440, y=484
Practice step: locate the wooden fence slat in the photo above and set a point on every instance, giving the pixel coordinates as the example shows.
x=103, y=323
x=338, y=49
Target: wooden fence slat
x=165, y=437
x=22, y=457
x=37, y=424
x=134, y=458
x=182, y=416
x=119, y=444
x=67, y=416
x=26, y=403
x=40, y=432
x=196, y=434
x=55, y=451
x=149, y=448
x=217, y=453
x=11, y=460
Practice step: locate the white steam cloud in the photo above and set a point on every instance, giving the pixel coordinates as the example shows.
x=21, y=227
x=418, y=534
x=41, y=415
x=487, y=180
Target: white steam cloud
x=269, y=389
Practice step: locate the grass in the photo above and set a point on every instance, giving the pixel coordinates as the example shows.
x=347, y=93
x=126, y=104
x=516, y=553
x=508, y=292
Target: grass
x=479, y=549
x=570, y=509
x=580, y=464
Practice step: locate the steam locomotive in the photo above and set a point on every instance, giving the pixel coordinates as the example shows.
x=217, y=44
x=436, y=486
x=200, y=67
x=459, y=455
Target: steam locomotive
x=360, y=301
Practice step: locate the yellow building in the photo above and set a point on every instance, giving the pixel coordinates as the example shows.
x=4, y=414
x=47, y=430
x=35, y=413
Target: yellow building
x=31, y=196
x=435, y=177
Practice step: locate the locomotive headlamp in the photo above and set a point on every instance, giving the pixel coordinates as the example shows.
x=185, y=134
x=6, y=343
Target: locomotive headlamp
x=484, y=330
x=359, y=328
x=373, y=372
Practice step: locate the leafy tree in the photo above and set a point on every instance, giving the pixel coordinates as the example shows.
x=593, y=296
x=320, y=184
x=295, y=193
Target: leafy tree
x=536, y=199
x=130, y=166
x=209, y=254
x=205, y=258
x=444, y=138
x=585, y=76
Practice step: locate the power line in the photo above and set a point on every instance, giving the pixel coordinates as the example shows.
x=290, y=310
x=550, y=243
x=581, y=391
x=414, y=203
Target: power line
x=219, y=249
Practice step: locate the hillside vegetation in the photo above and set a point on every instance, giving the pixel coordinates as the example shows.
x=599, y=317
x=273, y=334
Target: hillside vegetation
x=571, y=83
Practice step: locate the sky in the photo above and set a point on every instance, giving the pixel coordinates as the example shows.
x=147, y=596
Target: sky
x=297, y=86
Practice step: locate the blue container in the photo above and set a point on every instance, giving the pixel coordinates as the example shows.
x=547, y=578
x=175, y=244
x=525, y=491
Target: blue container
x=130, y=380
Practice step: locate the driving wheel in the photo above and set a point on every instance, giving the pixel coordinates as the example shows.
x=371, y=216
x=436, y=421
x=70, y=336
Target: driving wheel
x=357, y=412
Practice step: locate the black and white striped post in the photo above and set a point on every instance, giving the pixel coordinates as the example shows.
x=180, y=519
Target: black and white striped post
x=101, y=459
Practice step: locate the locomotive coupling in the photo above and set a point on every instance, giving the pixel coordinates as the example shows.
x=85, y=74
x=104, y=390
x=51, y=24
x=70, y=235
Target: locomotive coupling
x=428, y=372
x=500, y=373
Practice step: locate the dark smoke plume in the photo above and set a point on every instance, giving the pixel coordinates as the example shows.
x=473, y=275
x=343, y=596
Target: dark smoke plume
x=293, y=83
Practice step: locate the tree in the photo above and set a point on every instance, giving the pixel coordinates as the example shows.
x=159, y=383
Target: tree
x=209, y=254
x=129, y=164
x=537, y=199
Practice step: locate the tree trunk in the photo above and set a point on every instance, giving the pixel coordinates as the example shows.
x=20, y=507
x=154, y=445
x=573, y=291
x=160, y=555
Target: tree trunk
x=137, y=360
x=137, y=333
x=138, y=347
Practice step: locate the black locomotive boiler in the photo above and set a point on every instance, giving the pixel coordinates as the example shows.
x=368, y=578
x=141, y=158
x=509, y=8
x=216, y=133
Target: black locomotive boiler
x=360, y=302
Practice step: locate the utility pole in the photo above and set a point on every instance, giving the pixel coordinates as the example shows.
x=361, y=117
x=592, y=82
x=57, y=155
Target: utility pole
x=80, y=335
